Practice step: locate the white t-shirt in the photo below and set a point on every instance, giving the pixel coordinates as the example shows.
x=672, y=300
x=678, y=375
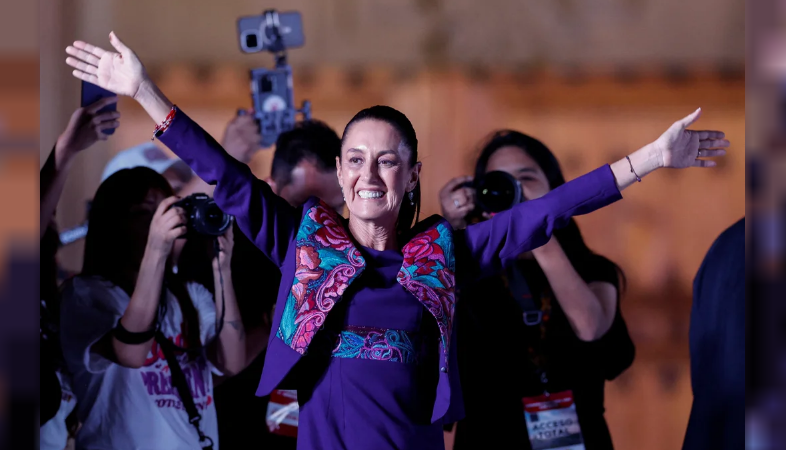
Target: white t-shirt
x=133, y=409
x=54, y=434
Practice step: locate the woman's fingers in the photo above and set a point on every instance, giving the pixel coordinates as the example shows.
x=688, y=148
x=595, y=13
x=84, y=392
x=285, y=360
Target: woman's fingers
x=165, y=204
x=83, y=55
x=81, y=65
x=703, y=163
x=689, y=119
x=714, y=143
x=453, y=184
x=107, y=125
x=90, y=48
x=101, y=104
x=711, y=153
x=709, y=134
x=118, y=44
x=85, y=76
x=105, y=117
x=174, y=215
x=463, y=196
x=176, y=233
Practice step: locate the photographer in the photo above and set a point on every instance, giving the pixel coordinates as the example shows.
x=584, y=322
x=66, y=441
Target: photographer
x=580, y=339
x=303, y=166
x=85, y=127
x=127, y=314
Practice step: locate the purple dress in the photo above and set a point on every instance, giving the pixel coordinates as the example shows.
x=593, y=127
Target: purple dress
x=367, y=337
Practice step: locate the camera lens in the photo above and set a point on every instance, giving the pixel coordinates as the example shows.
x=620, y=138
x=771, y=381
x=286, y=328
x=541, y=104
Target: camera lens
x=213, y=220
x=251, y=41
x=214, y=217
x=497, y=191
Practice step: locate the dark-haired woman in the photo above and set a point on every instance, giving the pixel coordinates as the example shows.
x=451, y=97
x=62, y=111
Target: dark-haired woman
x=574, y=338
x=127, y=399
x=363, y=326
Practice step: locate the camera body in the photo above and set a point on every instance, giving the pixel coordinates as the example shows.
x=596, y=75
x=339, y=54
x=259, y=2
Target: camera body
x=495, y=191
x=204, y=216
x=272, y=89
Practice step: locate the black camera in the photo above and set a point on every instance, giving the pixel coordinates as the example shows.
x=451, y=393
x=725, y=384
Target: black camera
x=204, y=216
x=271, y=89
x=495, y=192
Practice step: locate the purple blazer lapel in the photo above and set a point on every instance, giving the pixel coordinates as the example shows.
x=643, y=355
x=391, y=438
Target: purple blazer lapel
x=326, y=263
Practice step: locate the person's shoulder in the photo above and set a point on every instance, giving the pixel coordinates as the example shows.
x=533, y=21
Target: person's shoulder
x=730, y=242
x=732, y=235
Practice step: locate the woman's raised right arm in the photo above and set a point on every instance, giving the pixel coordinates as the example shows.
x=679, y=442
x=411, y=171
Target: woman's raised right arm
x=269, y=221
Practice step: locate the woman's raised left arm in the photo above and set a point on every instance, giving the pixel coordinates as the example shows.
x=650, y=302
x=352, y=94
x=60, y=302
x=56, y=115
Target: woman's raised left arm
x=529, y=225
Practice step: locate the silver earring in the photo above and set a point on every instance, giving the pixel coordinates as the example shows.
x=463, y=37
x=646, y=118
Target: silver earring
x=411, y=198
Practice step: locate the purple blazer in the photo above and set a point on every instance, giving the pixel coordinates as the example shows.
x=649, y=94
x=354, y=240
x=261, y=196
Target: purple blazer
x=291, y=237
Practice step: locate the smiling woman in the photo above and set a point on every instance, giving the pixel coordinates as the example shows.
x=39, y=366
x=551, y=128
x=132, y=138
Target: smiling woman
x=371, y=368
x=378, y=168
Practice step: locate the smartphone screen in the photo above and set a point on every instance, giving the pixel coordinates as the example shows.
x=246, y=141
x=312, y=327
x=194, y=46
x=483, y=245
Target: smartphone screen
x=92, y=93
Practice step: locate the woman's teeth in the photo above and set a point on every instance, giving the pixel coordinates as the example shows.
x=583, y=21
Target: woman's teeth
x=370, y=194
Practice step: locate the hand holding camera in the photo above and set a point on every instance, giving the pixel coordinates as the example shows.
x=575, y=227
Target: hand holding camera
x=226, y=243
x=458, y=201
x=167, y=225
x=203, y=216
x=466, y=201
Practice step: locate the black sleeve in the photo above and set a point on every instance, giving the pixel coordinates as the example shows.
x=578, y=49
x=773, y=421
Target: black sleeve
x=615, y=349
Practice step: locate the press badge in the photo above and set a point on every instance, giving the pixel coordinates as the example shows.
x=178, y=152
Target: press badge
x=283, y=413
x=552, y=423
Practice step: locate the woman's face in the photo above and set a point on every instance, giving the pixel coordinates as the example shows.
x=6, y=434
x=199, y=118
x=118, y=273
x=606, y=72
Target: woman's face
x=522, y=167
x=374, y=171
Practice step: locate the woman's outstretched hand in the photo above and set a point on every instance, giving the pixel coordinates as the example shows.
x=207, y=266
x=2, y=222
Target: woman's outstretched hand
x=120, y=72
x=679, y=147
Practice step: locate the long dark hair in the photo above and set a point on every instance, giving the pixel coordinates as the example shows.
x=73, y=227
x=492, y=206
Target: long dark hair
x=570, y=236
x=114, y=249
x=409, y=212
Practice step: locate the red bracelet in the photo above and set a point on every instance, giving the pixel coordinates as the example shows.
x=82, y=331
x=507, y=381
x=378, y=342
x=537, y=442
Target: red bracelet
x=161, y=128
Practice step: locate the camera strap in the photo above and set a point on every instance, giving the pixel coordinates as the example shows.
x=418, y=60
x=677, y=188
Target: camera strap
x=519, y=288
x=219, y=319
x=535, y=317
x=181, y=384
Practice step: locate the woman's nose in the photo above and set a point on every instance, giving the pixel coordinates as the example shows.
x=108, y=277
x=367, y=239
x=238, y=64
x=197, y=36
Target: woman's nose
x=370, y=172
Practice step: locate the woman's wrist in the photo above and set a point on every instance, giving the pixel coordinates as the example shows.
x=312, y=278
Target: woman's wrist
x=637, y=165
x=543, y=253
x=153, y=100
x=64, y=155
x=646, y=159
x=222, y=269
x=155, y=253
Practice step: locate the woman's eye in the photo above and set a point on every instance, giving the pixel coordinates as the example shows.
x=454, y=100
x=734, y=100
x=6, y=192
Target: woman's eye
x=354, y=160
x=387, y=162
